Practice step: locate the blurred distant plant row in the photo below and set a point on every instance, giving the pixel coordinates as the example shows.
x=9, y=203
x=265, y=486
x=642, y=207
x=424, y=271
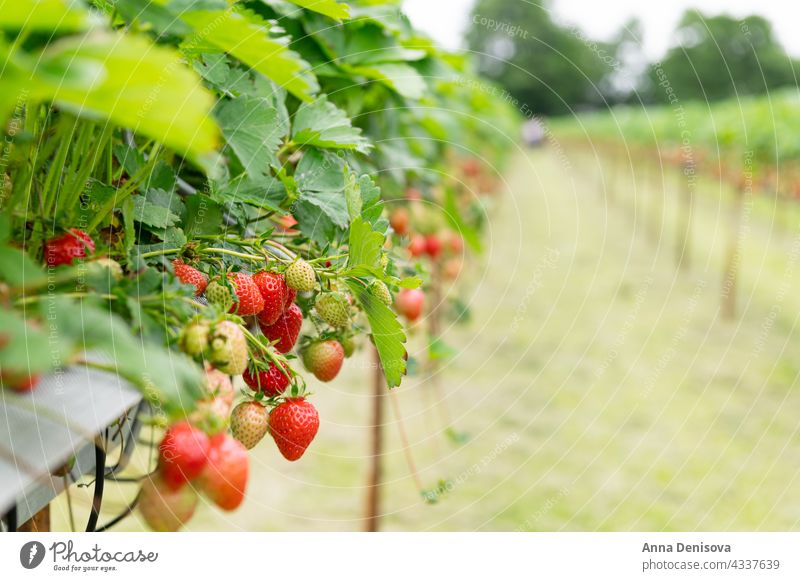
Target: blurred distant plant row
x=555, y=68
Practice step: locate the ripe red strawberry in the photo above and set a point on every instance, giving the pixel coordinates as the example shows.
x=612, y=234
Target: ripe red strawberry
x=289, y=299
x=452, y=268
x=417, y=245
x=275, y=294
x=21, y=382
x=68, y=247
x=285, y=330
x=293, y=425
x=271, y=382
x=455, y=243
x=248, y=297
x=433, y=246
x=324, y=359
x=413, y=194
x=182, y=454
x=399, y=221
x=190, y=275
x=249, y=423
x=224, y=478
x=409, y=303
x=164, y=509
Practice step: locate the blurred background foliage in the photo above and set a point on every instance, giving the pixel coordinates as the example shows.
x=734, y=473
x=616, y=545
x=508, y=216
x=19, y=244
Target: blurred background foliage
x=555, y=68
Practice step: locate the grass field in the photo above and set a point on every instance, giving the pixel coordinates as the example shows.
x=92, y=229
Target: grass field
x=598, y=385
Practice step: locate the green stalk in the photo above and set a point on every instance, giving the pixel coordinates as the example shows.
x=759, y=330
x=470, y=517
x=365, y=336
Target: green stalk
x=52, y=184
x=125, y=191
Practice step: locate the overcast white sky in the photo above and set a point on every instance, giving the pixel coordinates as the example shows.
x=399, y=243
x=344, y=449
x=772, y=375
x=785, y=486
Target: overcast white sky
x=446, y=20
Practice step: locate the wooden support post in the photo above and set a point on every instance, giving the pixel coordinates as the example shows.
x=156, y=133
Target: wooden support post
x=372, y=518
x=38, y=523
x=684, y=221
x=733, y=258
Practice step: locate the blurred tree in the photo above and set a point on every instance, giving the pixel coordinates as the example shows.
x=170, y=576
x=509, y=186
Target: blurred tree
x=719, y=56
x=548, y=67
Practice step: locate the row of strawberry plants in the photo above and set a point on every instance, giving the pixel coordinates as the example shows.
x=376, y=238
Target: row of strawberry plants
x=195, y=190
x=717, y=138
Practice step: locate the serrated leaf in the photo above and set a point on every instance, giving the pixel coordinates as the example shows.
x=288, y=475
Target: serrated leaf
x=322, y=124
x=365, y=245
x=246, y=36
x=387, y=333
x=400, y=77
x=145, y=212
x=253, y=131
x=329, y=8
x=320, y=171
x=203, y=216
x=332, y=205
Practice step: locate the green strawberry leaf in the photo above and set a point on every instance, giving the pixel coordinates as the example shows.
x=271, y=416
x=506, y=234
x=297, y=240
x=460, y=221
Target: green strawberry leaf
x=329, y=8
x=252, y=128
x=150, y=214
x=387, y=333
x=365, y=245
x=245, y=35
x=322, y=124
x=400, y=77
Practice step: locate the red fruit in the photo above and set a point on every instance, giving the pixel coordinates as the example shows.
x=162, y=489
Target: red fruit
x=455, y=243
x=471, y=167
x=417, y=246
x=190, y=275
x=248, y=296
x=224, y=478
x=163, y=509
x=285, y=330
x=409, y=303
x=19, y=382
x=452, y=268
x=433, y=246
x=413, y=194
x=399, y=221
x=289, y=299
x=293, y=425
x=275, y=294
x=68, y=247
x=183, y=454
x=271, y=382
x=324, y=359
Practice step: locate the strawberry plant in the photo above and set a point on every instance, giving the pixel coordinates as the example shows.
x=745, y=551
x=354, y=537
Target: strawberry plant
x=205, y=186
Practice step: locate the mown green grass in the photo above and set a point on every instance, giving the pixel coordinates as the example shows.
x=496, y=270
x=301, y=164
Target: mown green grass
x=599, y=386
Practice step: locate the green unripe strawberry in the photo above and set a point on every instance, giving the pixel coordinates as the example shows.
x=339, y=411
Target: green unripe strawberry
x=219, y=295
x=300, y=276
x=349, y=345
x=194, y=338
x=333, y=308
x=105, y=267
x=228, y=348
x=378, y=288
